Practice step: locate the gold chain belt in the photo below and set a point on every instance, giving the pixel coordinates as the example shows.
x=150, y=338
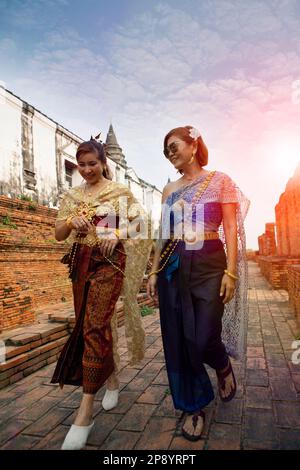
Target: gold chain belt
x=202, y=236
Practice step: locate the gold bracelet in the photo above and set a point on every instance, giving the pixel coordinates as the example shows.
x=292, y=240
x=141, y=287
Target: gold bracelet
x=69, y=222
x=150, y=274
x=233, y=276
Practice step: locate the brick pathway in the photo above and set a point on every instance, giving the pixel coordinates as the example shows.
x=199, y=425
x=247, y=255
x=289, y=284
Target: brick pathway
x=264, y=415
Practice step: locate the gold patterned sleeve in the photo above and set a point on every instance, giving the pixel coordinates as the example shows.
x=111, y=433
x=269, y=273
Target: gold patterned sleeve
x=66, y=207
x=134, y=207
x=136, y=217
x=137, y=254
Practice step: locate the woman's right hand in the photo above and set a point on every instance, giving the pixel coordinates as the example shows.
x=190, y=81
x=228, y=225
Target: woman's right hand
x=81, y=224
x=151, y=287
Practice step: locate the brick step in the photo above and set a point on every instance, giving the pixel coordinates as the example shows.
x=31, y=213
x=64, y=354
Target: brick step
x=33, y=347
x=28, y=362
x=40, y=332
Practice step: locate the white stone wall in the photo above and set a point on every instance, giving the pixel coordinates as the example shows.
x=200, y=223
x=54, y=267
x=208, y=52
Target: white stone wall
x=137, y=191
x=52, y=146
x=10, y=144
x=120, y=173
x=67, y=147
x=44, y=156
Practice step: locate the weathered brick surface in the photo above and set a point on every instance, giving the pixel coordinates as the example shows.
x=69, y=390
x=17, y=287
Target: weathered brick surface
x=120, y=440
x=276, y=269
x=283, y=270
x=137, y=417
x=31, y=274
x=158, y=434
x=224, y=437
x=153, y=394
x=266, y=241
x=289, y=439
x=294, y=288
x=31, y=347
x=264, y=414
x=260, y=431
x=287, y=218
x=258, y=397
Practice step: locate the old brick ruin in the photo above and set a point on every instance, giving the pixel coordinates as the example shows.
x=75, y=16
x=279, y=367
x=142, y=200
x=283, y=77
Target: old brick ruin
x=279, y=253
x=31, y=274
x=36, y=308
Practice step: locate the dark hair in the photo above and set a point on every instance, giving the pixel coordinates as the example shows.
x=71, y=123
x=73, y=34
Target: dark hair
x=92, y=146
x=184, y=134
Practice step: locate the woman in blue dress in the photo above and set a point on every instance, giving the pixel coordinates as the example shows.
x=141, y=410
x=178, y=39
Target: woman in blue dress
x=199, y=271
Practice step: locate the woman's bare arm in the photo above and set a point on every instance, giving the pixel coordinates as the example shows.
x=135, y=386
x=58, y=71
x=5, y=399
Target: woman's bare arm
x=230, y=230
x=62, y=230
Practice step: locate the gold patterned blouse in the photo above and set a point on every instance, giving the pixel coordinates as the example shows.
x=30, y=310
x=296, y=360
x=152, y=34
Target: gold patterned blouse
x=111, y=200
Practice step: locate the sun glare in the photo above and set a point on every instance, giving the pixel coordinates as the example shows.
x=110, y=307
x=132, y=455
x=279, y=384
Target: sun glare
x=286, y=155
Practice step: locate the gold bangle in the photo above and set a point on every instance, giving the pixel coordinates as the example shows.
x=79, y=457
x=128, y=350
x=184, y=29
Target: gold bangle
x=150, y=274
x=69, y=222
x=233, y=276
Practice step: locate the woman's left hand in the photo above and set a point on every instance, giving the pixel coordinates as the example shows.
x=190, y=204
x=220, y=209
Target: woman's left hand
x=108, y=245
x=227, y=288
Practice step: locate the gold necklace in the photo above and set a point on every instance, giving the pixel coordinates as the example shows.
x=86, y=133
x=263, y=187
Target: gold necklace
x=90, y=193
x=194, y=179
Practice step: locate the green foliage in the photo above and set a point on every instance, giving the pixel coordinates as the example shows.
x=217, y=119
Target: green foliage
x=6, y=221
x=32, y=207
x=23, y=197
x=297, y=335
x=145, y=310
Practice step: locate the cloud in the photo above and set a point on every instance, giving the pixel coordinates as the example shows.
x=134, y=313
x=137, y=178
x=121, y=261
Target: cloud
x=224, y=66
x=25, y=14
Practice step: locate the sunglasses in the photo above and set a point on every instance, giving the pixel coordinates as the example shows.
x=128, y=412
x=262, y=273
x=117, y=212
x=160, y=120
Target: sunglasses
x=172, y=148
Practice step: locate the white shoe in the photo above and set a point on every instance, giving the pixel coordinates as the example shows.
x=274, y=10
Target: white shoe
x=110, y=399
x=76, y=437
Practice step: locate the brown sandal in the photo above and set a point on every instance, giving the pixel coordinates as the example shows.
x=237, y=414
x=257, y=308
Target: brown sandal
x=195, y=437
x=221, y=377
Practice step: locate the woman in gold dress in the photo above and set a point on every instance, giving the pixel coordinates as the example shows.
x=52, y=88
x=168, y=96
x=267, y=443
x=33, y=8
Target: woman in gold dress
x=105, y=226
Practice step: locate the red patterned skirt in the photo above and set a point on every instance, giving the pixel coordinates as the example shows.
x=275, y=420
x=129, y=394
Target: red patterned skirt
x=87, y=357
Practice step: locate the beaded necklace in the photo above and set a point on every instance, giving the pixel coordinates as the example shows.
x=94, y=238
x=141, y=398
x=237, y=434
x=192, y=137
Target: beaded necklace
x=86, y=209
x=172, y=244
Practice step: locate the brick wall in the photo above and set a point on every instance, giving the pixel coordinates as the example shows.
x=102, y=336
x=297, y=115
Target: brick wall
x=251, y=255
x=294, y=288
x=31, y=274
x=282, y=227
x=275, y=269
x=287, y=213
x=267, y=241
x=283, y=270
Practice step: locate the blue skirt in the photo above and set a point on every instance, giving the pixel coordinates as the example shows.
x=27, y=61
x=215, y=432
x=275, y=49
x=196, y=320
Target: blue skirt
x=191, y=311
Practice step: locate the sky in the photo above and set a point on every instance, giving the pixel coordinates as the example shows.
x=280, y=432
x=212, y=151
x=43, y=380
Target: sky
x=230, y=68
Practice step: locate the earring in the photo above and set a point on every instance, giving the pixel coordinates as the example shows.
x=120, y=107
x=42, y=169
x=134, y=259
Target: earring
x=191, y=160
